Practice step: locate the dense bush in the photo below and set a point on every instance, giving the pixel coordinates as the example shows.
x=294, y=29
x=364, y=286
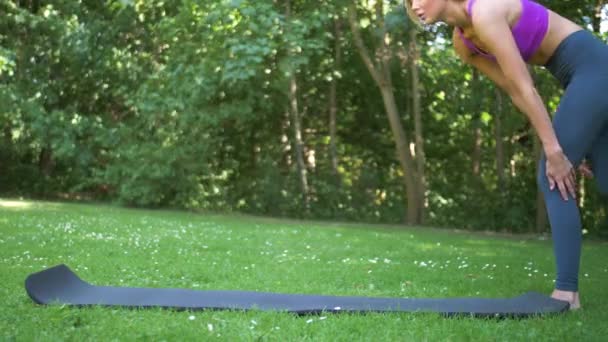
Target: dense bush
x=190, y=104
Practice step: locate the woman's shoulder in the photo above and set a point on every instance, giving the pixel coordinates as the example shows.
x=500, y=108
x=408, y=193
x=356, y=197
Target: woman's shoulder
x=481, y=10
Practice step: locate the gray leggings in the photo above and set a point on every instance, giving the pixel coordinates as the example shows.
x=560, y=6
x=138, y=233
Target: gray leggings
x=580, y=63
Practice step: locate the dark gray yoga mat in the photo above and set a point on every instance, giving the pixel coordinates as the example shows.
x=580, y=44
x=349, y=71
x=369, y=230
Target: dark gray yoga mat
x=59, y=285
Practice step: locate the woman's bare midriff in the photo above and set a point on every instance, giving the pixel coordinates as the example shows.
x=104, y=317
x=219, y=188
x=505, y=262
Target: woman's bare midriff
x=559, y=29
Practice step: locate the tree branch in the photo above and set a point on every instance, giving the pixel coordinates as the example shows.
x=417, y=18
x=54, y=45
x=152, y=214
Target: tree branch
x=363, y=51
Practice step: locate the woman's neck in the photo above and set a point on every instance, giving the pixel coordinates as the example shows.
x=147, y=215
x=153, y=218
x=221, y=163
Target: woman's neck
x=455, y=14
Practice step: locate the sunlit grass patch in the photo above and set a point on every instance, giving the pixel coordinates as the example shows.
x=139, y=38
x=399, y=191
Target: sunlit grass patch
x=14, y=204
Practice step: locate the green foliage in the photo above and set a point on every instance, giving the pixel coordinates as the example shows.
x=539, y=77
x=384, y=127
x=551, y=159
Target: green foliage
x=185, y=104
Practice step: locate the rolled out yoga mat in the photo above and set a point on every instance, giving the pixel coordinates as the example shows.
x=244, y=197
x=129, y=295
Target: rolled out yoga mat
x=59, y=285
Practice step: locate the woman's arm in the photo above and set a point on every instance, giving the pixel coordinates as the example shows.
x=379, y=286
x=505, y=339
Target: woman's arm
x=519, y=88
x=486, y=66
x=492, y=28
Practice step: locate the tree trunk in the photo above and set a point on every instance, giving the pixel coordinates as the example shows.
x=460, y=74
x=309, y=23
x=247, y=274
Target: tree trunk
x=477, y=136
x=296, y=123
x=31, y=5
x=286, y=143
x=403, y=154
x=477, y=142
x=8, y=133
x=333, y=106
x=420, y=155
x=500, y=150
x=541, y=211
x=8, y=144
x=381, y=75
x=45, y=160
x=596, y=18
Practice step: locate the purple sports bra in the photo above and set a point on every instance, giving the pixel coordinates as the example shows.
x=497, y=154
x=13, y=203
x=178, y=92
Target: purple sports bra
x=528, y=32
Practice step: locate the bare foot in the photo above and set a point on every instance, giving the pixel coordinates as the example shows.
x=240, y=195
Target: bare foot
x=568, y=296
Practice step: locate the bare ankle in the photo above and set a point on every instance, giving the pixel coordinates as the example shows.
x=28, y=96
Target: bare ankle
x=569, y=296
x=565, y=292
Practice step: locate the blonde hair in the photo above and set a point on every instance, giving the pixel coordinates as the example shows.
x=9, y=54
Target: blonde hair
x=410, y=13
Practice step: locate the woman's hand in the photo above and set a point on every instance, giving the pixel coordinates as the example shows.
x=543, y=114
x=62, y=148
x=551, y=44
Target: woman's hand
x=561, y=173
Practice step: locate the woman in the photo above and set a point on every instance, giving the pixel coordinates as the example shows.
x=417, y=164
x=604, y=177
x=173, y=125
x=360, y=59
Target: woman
x=499, y=38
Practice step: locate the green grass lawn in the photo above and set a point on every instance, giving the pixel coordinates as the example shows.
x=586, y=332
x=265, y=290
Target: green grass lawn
x=107, y=245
